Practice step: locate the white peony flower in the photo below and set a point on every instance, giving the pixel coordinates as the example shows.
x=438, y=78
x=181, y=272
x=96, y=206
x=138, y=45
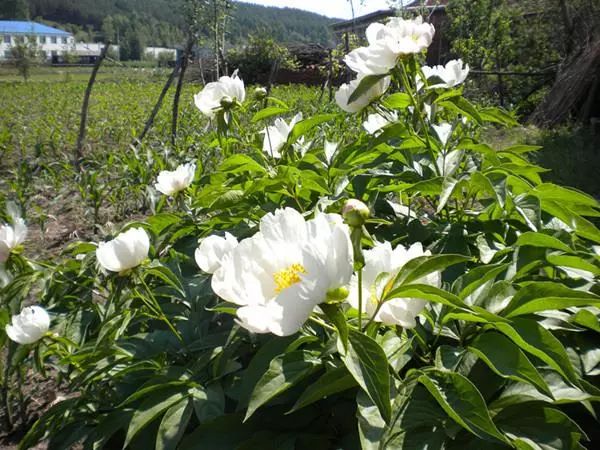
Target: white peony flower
x=171, y=182
x=280, y=274
x=277, y=135
x=124, y=252
x=11, y=236
x=383, y=260
x=29, y=326
x=209, y=99
x=213, y=250
x=345, y=92
x=452, y=74
x=387, y=43
x=376, y=122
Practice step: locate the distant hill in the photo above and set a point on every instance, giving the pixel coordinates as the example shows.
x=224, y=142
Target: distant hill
x=159, y=23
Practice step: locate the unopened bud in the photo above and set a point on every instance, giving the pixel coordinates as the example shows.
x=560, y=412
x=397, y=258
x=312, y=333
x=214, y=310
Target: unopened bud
x=227, y=102
x=337, y=295
x=260, y=93
x=355, y=212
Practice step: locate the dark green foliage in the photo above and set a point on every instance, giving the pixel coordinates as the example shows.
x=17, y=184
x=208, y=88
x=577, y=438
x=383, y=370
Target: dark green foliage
x=14, y=9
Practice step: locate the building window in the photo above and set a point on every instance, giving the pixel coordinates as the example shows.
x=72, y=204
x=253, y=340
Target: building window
x=7, y=38
x=53, y=39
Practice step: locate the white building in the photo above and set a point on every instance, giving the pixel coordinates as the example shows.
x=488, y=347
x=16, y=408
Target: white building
x=52, y=42
x=155, y=52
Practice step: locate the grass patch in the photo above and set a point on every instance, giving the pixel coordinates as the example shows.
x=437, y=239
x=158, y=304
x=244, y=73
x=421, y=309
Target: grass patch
x=571, y=153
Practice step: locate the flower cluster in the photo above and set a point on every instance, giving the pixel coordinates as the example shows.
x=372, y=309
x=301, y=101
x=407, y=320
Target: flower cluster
x=279, y=275
x=387, y=43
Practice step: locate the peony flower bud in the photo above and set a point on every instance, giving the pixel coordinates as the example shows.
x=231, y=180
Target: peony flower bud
x=260, y=93
x=29, y=326
x=226, y=102
x=355, y=212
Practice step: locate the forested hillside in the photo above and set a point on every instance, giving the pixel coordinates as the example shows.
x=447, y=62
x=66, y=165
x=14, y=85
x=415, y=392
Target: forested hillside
x=159, y=22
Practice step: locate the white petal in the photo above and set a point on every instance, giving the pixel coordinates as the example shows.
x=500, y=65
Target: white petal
x=212, y=251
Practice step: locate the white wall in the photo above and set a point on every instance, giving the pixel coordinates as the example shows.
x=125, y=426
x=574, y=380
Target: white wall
x=45, y=43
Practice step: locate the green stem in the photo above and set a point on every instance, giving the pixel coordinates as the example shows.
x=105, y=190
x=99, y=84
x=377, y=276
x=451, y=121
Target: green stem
x=155, y=307
x=418, y=111
x=360, y=298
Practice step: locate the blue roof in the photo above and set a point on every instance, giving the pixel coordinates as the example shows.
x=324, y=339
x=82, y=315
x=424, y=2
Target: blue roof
x=22, y=27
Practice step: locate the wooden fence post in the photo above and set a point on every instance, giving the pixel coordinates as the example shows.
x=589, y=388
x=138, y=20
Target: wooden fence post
x=85, y=107
x=185, y=57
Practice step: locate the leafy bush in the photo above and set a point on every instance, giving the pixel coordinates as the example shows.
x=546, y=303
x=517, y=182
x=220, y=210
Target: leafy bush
x=386, y=281
x=255, y=59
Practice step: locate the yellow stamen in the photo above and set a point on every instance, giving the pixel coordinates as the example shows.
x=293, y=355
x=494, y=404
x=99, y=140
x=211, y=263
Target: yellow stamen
x=288, y=277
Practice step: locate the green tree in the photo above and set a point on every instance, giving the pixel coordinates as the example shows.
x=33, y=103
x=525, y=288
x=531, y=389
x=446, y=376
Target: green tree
x=25, y=54
x=14, y=9
x=501, y=36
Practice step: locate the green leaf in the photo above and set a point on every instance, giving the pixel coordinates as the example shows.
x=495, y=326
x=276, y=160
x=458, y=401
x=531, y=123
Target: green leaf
x=259, y=364
x=162, y=272
x=449, y=185
x=542, y=240
x=583, y=268
x=426, y=292
x=152, y=407
x=332, y=382
x=268, y=112
x=521, y=148
x=422, y=266
x=241, y=163
x=544, y=296
x=367, y=363
x=497, y=115
x=365, y=84
x=173, y=425
x=208, y=401
x=284, y=372
x=107, y=427
x=475, y=278
x=228, y=199
x=582, y=227
x=335, y=314
x=540, y=428
x=304, y=126
x=398, y=100
x=535, y=339
x=586, y=319
x=568, y=196
x=507, y=360
x=462, y=402
x=418, y=422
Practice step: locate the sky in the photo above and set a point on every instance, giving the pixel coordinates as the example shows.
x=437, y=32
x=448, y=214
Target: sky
x=332, y=8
